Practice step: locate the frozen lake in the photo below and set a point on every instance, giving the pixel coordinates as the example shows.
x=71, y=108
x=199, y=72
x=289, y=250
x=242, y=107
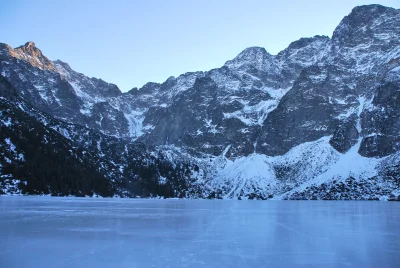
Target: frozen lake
x=66, y=232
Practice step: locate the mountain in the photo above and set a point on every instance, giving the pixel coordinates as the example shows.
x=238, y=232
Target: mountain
x=43, y=155
x=319, y=120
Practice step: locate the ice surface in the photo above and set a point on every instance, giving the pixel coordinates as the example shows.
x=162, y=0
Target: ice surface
x=74, y=232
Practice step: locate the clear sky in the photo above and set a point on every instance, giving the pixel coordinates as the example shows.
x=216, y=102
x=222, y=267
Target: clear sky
x=131, y=42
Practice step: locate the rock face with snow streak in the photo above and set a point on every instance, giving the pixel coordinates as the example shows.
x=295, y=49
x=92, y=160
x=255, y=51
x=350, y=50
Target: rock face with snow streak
x=228, y=106
x=42, y=155
x=333, y=100
x=325, y=98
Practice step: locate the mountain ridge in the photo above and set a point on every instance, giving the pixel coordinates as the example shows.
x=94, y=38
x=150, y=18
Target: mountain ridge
x=335, y=98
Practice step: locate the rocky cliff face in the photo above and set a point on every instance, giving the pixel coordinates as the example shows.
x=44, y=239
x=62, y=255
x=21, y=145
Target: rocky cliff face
x=302, y=115
x=340, y=88
x=56, y=89
x=43, y=155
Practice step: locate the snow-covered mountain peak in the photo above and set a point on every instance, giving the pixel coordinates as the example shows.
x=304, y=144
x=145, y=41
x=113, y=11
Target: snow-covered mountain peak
x=365, y=24
x=363, y=14
x=305, y=41
x=303, y=53
x=63, y=65
x=257, y=57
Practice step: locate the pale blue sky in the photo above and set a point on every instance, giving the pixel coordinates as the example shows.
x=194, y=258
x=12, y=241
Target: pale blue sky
x=131, y=42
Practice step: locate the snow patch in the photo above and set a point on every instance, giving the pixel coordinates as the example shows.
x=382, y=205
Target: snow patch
x=135, y=121
x=10, y=144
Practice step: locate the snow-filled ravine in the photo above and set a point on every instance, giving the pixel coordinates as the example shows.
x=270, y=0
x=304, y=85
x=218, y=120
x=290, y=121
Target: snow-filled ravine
x=79, y=232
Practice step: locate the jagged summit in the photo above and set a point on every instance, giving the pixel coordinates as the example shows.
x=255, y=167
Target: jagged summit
x=30, y=49
x=362, y=21
x=305, y=41
x=369, y=10
x=364, y=15
x=257, y=55
x=63, y=64
x=252, y=51
x=33, y=55
x=28, y=45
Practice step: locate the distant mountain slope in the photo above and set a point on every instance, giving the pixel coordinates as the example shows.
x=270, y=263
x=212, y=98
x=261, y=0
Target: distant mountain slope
x=43, y=155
